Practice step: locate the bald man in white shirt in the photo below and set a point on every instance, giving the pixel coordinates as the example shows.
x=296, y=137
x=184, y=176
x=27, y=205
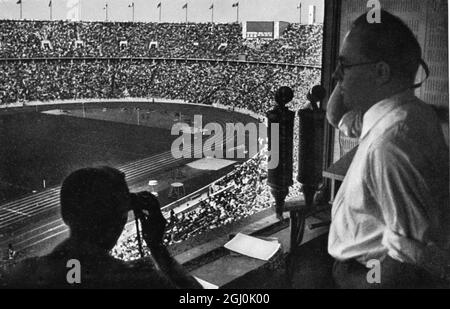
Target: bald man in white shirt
x=393, y=205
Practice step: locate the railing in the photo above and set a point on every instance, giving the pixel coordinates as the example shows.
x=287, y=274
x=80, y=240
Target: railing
x=62, y=103
x=160, y=59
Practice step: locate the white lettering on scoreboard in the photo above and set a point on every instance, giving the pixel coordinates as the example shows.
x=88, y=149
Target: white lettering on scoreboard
x=259, y=34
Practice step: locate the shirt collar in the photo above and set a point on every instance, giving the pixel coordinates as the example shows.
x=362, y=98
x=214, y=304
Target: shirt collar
x=380, y=109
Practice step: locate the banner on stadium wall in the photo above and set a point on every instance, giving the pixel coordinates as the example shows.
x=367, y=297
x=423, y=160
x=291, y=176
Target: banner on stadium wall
x=263, y=29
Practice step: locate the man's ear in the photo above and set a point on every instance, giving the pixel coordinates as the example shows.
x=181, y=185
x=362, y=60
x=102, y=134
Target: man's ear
x=383, y=72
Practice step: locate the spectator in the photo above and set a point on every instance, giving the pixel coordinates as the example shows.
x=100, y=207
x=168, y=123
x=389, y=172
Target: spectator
x=94, y=204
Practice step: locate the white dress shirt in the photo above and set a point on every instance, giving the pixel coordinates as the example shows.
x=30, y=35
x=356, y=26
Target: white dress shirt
x=394, y=199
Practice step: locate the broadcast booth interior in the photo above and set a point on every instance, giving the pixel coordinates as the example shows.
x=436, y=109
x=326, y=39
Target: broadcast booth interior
x=250, y=155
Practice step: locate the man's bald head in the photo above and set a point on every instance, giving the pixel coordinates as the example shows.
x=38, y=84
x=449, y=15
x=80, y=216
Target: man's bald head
x=391, y=41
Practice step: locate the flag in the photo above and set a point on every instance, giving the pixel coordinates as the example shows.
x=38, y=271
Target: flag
x=184, y=6
x=131, y=5
x=235, y=4
x=159, y=5
x=19, y=2
x=211, y=7
x=50, y=3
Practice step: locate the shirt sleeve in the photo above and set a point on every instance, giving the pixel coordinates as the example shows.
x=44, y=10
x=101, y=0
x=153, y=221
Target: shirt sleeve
x=351, y=124
x=403, y=198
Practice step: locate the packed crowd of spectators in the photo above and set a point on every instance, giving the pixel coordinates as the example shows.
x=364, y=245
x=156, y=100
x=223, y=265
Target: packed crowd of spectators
x=233, y=201
x=39, y=81
x=300, y=44
x=230, y=84
x=30, y=39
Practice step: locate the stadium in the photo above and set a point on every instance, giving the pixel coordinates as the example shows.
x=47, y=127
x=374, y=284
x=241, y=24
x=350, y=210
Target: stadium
x=78, y=94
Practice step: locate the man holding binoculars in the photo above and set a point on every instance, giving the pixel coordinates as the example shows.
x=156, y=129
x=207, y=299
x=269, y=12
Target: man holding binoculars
x=94, y=204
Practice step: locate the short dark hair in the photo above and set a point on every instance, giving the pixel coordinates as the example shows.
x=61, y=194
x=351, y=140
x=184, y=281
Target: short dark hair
x=391, y=41
x=89, y=198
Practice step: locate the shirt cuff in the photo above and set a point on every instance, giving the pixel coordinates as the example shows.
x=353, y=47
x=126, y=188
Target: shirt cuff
x=403, y=249
x=351, y=124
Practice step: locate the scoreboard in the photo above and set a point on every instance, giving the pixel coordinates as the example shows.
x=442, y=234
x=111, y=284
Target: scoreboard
x=263, y=29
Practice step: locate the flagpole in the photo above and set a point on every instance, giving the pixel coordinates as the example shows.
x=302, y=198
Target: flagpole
x=20, y=10
x=132, y=10
x=237, y=17
x=51, y=9
x=160, y=12
x=212, y=14
x=185, y=29
x=106, y=12
x=300, y=13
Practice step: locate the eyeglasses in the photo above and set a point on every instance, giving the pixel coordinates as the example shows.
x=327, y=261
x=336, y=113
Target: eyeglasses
x=340, y=70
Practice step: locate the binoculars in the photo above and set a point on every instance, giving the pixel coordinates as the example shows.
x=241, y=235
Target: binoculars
x=144, y=203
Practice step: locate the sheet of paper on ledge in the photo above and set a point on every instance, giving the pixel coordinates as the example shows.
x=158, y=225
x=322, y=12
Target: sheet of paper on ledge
x=253, y=247
x=206, y=285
